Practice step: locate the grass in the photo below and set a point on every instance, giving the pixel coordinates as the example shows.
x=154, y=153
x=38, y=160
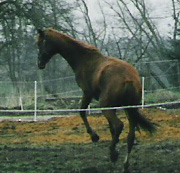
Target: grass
x=161, y=96
x=11, y=98
x=90, y=158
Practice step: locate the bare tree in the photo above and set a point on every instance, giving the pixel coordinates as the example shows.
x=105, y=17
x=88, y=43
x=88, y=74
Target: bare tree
x=176, y=14
x=85, y=11
x=18, y=23
x=93, y=33
x=140, y=27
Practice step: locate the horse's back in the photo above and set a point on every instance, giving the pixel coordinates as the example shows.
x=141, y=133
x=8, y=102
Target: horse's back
x=117, y=71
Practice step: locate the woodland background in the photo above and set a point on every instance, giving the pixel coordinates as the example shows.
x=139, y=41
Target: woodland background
x=126, y=31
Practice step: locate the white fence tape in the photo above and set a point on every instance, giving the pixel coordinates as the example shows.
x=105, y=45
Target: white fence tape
x=95, y=109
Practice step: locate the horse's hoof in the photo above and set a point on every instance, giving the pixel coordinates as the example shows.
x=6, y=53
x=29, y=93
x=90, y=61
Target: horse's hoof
x=114, y=156
x=95, y=138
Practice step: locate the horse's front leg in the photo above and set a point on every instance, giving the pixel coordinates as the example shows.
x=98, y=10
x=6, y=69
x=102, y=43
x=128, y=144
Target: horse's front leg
x=85, y=102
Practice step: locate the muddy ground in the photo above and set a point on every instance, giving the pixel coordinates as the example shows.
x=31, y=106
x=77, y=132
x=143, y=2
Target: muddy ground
x=62, y=145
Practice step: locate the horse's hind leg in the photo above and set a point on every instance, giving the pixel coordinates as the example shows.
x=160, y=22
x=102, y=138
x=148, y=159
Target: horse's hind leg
x=85, y=102
x=130, y=139
x=116, y=127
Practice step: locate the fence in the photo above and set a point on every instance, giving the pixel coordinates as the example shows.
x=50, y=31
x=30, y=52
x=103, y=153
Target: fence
x=21, y=95
x=162, y=80
x=160, y=86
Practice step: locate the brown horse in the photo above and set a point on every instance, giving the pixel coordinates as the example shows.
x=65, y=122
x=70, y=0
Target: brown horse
x=111, y=81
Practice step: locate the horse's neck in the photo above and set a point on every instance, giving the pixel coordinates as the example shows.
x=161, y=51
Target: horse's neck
x=75, y=54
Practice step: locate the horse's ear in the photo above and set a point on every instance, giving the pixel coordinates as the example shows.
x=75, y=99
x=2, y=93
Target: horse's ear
x=41, y=32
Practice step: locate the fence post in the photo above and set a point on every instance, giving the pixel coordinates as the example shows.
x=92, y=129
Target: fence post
x=143, y=92
x=21, y=103
x=35, y=101
x=89, y=109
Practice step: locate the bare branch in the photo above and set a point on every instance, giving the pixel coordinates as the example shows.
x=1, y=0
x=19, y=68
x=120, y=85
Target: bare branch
x=92, y=34
x=176, y=20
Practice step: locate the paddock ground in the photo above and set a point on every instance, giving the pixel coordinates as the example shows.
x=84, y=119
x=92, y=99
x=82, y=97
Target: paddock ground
x=61, y=144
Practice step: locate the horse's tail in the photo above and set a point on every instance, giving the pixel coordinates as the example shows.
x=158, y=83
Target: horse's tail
x=140, y=120
x=133, y=98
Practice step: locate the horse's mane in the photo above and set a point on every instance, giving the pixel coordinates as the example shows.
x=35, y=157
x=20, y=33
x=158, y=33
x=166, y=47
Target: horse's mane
x=58, y=35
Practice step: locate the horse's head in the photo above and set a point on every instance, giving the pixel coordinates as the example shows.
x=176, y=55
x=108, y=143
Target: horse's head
x=46, y=49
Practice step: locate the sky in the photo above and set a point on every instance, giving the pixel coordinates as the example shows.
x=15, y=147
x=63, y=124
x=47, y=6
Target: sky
x=159, y=9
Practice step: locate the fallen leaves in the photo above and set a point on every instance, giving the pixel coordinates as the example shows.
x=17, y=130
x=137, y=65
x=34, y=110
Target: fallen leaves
x=72, y=130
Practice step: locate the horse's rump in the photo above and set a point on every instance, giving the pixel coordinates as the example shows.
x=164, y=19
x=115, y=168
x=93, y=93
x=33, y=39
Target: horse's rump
x=119, y=83
x=129, y=94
